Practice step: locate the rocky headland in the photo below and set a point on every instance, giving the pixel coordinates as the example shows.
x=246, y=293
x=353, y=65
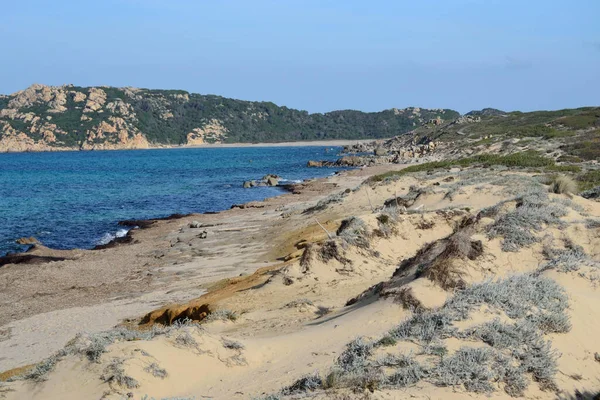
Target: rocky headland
x=55, y=118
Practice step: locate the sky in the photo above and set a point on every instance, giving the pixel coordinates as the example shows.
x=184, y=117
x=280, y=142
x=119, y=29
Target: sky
x=315, y=55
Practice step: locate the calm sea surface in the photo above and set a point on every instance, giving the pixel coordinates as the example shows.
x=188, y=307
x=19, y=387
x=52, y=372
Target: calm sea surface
x=75, y=199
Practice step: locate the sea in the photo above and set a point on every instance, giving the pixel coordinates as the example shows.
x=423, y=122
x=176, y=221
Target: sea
x=75, y=199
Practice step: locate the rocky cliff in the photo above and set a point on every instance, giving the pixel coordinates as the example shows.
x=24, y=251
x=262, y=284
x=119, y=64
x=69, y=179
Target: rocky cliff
x=49, y=118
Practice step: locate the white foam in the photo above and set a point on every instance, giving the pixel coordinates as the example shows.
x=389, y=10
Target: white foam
x=121, y=233
x=109, y=236
x=287, y=181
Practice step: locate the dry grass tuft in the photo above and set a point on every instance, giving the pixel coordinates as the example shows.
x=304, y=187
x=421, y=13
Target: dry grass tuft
x=424, y=224
x=386, y=222
x=155, y=370
x=355, y=232
x=307, y=258
x=222, y=315
x=446, y=274
x=408, y=300
x=562, y=184
x=443, y=269
x=115, y=374
x=332, y=250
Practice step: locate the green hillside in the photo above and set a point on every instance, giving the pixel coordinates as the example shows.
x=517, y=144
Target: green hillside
x=74, y=115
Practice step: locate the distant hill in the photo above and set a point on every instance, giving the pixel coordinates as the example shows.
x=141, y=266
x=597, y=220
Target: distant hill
x=42, y=118
x=486, y=112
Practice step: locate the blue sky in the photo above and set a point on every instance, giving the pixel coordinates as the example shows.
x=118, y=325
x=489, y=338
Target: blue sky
x=316, y=55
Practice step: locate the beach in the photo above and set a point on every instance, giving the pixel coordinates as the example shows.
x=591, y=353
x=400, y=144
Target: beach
x=282, y=289
x=332, y=143
x=164, y=263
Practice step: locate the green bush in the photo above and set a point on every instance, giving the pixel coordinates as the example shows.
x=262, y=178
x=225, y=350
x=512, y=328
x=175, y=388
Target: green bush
x=589, y=179
x=526, y=159
x=585, y=120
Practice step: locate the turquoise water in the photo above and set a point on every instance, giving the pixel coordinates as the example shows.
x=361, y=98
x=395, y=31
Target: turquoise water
x=75, y=199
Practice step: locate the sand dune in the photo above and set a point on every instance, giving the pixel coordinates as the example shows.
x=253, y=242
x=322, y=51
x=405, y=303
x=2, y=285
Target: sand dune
x=461, y=252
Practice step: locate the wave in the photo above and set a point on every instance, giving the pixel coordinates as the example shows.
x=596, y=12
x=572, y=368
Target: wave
x=289, y=181
x=109, y=236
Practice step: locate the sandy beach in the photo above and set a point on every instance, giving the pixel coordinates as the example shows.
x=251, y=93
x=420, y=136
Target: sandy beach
x=300, y=200
x=287, y=291
x=164, y=263
x=332, y=143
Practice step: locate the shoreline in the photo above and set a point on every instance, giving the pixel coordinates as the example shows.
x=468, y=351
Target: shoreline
x=168, y=262
x=293, y=310
x=309, y=143
x=25, y=256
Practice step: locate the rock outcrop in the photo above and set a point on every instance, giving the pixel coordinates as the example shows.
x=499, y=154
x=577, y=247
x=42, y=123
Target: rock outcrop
x=46, y=118
x=211, y=132
x=267, y=180
x=397, y=150
x=27, y=241
x=115, y=133
x=346, y=161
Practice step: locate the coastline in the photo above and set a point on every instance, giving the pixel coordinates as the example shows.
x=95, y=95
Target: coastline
x=152, y=267
x=279, y=296
x=27, y=255
x=197, y=192
x=313, y=143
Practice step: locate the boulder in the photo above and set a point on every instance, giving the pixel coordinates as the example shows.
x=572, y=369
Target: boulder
x=380, y=151
x=195, y=224
x=314, y=164
x=249, y=184
x=271, y=179
x=351, y=161
x=28, y=240
x=266, y=177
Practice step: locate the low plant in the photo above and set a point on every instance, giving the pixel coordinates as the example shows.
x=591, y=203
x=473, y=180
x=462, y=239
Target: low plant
x=39, y=372
x=592, y=223
x=532, y=213
x=386, y=222
x=185, y=339
x=592, y=193
x=470, y=367
x=299, y=303
x=513, y=350
x=303, y=385
x=424, y=328
x=355, y=232
x=91, y=346
x=232, y=344
x=155, y=370
x=356, y=355
x=562, y=184
x=115, y=374
x=333, y=250
x=386, y=341
x=145, y=397
x=406, y=297
x=222, y=315
x=324, y=203
x=526, y=159
x=589, y=179
x=571, y=258
x=446, y=273
x=407, y=371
